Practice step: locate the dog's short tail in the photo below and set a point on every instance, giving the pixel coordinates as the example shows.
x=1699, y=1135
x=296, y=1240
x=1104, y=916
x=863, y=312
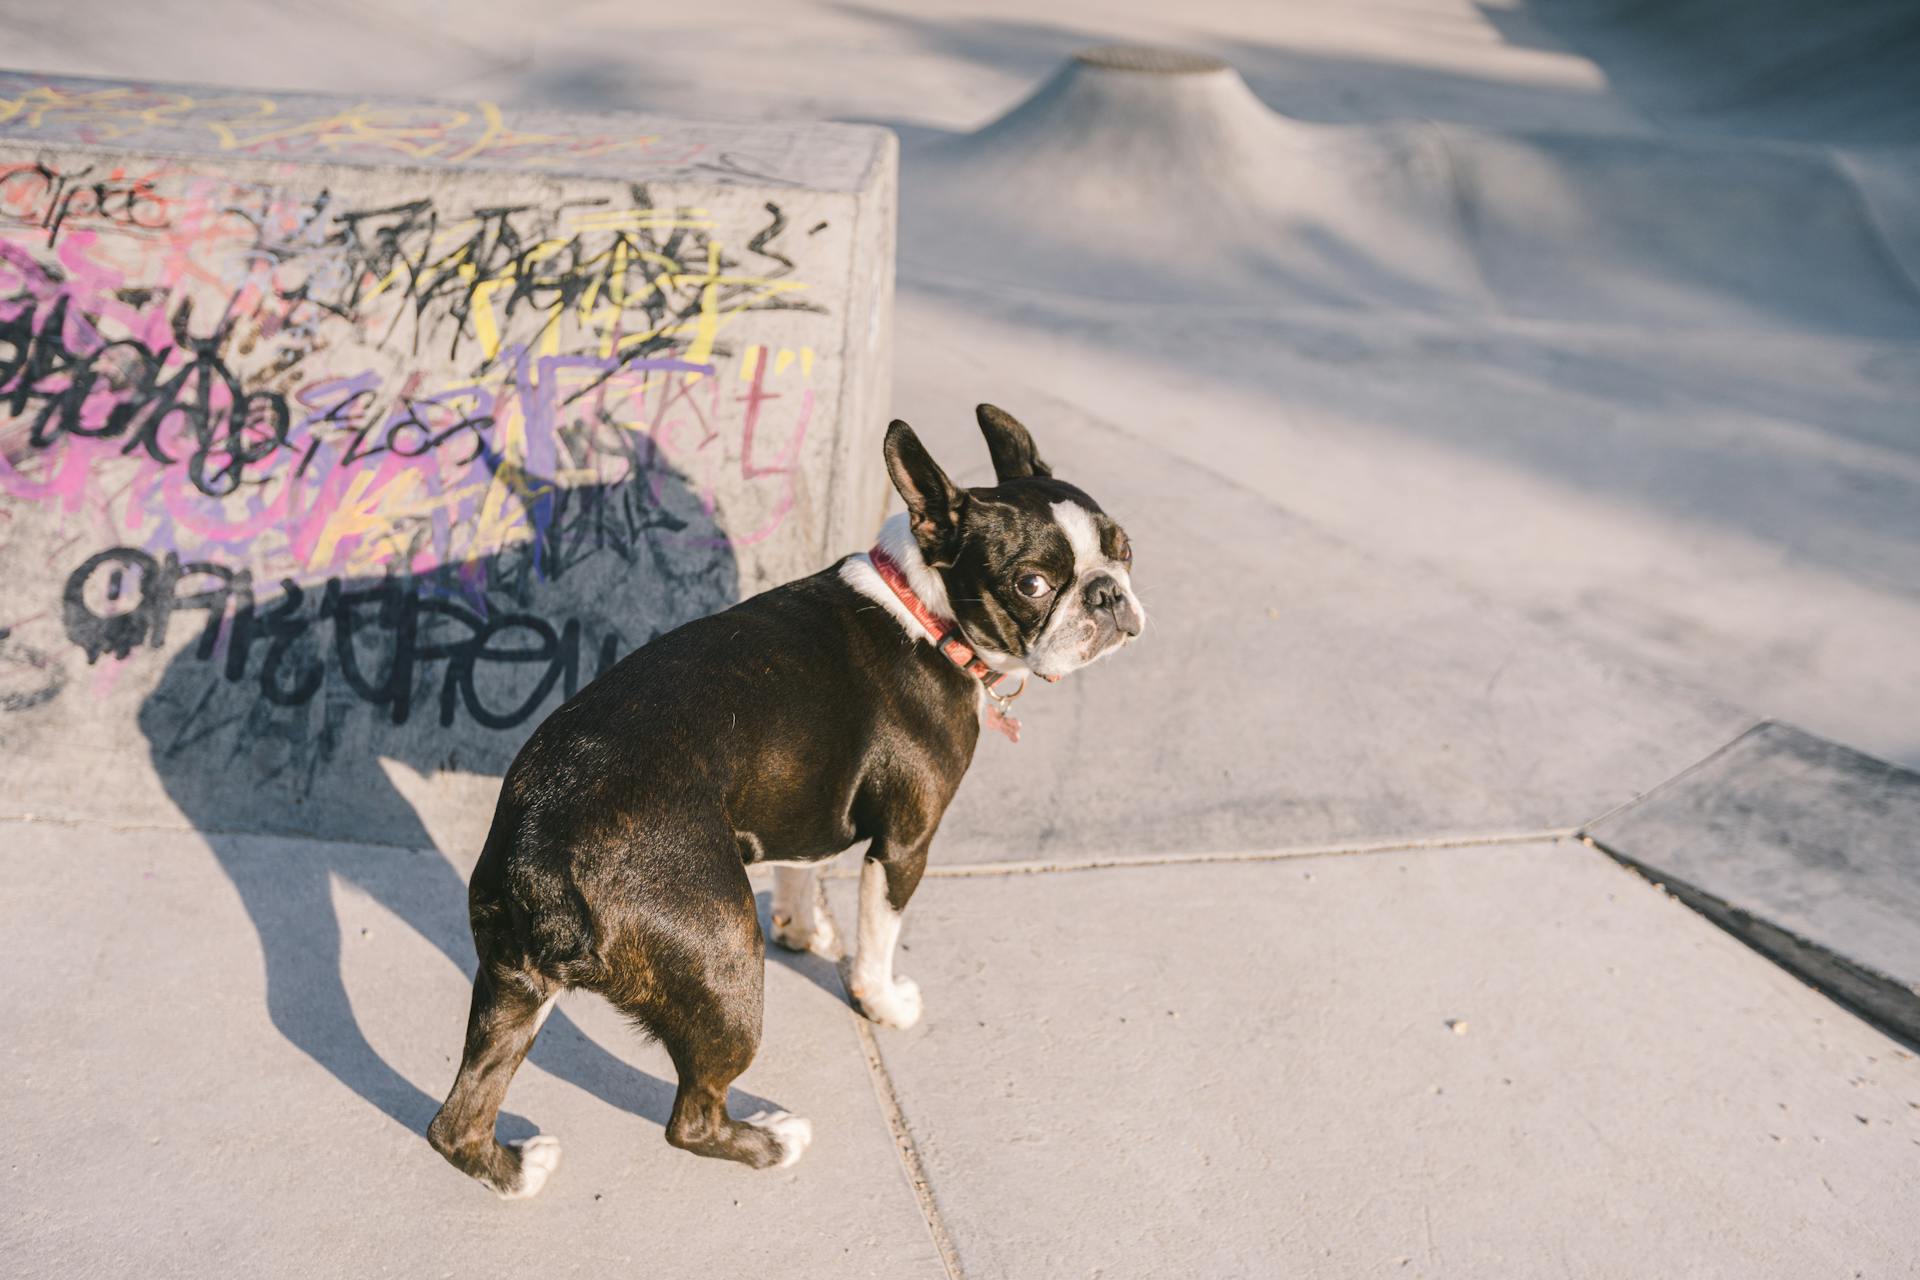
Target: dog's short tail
x=528, y=913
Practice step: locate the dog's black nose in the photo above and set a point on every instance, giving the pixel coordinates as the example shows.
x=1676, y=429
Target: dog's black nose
x=1102, y=592
x=1103, y=595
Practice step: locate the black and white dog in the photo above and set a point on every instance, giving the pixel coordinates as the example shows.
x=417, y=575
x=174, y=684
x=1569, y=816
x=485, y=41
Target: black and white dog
x=838, y=708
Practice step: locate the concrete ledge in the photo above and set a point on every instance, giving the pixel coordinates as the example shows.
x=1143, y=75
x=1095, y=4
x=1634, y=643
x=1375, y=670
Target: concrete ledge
x=337, y=431
x=1804, y=849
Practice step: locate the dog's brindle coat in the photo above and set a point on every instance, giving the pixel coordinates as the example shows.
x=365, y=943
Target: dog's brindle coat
x=788, y=727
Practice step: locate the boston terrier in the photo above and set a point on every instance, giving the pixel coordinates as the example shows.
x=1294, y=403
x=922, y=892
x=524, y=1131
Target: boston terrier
x=840, y=708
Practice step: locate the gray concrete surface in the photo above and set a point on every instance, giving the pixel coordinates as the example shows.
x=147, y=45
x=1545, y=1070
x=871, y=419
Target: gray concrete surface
x=1504, y=1060
x=1808, y=850
x=1225, y=1069
x=191, y=1098
x=1773, y=68
x=1655, y=387
x=1293, y=688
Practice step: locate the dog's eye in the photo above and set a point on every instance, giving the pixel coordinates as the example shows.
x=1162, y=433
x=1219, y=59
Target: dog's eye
x=1033, y=586
x=1126, y=553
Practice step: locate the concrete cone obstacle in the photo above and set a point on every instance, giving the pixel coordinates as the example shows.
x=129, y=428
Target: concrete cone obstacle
x=1154, y=175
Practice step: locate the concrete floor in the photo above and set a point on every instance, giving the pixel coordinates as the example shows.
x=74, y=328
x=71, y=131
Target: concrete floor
x=1454, y=584
x=1492, y=1059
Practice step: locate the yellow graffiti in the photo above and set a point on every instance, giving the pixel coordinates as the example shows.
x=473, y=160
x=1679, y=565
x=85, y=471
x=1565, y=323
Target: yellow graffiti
x=113, y=112
x=754, y=359
x=361, y=512
x=378, y=515
x=246, y=123
x=599, y=321
x=705, y=326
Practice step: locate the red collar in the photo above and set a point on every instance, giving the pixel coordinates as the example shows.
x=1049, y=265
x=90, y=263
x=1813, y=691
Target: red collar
x=945, y=631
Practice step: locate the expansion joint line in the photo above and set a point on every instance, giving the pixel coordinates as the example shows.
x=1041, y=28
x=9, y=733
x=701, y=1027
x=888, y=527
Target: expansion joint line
x=904, y=1146
x=1058, y=866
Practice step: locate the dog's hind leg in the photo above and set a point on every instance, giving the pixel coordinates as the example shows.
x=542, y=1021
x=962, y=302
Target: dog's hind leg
x=508, y=1008
x=798, y=922
x=698, y=986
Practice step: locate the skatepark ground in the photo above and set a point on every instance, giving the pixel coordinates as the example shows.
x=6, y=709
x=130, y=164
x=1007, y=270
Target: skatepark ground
x=1513, y=410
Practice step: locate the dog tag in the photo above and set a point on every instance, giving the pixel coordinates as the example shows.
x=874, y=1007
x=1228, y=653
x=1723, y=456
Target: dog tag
x=1001, y=722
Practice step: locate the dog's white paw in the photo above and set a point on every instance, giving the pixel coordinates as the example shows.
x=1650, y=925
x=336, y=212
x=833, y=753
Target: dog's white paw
x=897, y=1005
x=822, y=941
x=792, y=1132
x=539, y=1157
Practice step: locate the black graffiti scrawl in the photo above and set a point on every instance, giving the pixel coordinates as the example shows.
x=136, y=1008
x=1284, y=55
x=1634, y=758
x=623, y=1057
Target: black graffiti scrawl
x=415, y=463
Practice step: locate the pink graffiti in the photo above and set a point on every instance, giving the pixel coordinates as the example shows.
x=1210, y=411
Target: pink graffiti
x=369, y=469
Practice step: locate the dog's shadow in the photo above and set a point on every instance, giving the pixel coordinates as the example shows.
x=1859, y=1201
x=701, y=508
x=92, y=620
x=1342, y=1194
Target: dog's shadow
x=277, y=716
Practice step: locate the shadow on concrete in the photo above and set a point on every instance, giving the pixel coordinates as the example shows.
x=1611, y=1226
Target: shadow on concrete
x=1811, y=70
x=286, y=714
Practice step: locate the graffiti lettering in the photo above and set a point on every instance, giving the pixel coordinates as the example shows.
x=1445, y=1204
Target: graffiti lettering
x=368, y=469
x=38, y=195
x=374, y=638
x=183, y=396
x=640, y=277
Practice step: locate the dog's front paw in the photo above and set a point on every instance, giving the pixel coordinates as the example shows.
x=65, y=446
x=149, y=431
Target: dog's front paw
x=822, y=940
x=897, y=1005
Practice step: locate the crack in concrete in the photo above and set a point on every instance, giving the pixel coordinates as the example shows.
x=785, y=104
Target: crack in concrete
x=830, y=870
x=1407, y=844
x=911, y=1163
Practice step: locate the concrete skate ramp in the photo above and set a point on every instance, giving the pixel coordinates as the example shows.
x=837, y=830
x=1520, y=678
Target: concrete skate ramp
x=335, y=433
x=1142, y=174
x=1149, y=176
x=1808, y=851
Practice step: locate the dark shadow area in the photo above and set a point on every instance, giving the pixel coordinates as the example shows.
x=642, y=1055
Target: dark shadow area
x=585, y=83
x=1809, y=70
x=278, y=717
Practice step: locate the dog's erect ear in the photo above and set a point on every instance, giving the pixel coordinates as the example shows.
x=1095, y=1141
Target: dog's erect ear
x=933, y=504
x=1012, y=448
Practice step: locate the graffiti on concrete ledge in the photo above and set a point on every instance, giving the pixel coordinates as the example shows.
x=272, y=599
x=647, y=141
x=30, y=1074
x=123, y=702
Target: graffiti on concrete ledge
x=439, y=462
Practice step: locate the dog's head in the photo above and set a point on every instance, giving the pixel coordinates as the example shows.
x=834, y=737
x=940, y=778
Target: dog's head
x=1036, y=574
